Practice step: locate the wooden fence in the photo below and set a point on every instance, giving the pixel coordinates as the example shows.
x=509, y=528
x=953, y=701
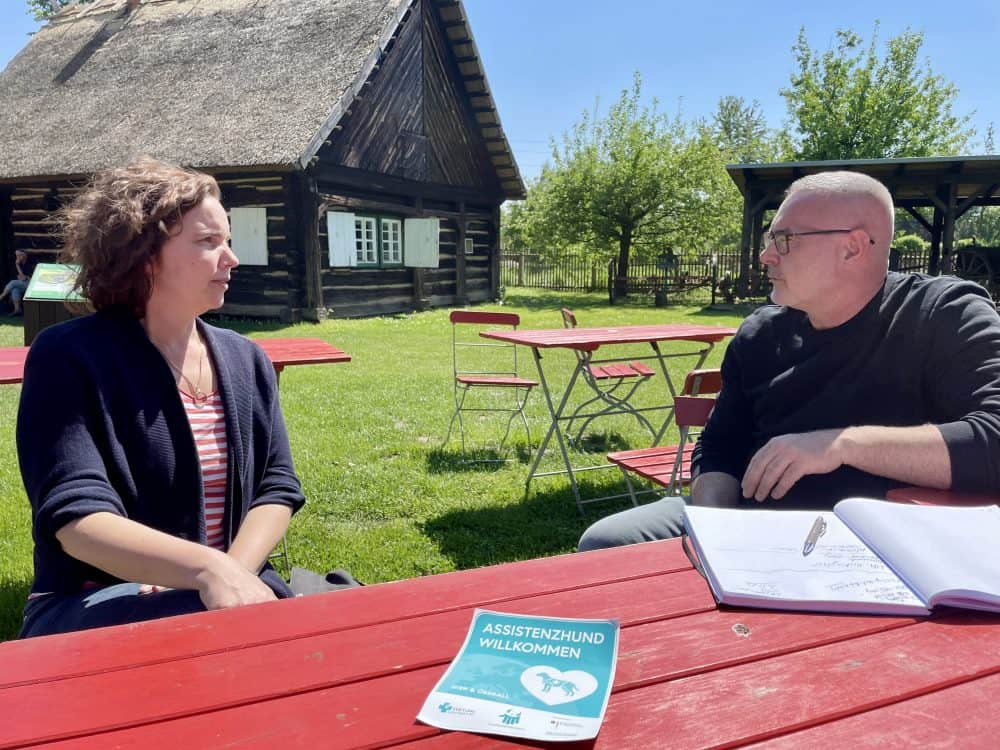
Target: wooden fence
x=700, y=277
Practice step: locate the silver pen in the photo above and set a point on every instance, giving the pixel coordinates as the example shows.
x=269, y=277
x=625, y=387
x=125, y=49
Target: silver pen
x=817, y=530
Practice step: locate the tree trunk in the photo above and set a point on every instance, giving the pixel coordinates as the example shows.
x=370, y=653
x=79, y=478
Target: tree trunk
x=621, y=278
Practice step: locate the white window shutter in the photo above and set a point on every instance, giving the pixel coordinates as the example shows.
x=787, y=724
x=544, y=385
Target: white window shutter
x=343, y=241
x=248, y=226
x=421, y=242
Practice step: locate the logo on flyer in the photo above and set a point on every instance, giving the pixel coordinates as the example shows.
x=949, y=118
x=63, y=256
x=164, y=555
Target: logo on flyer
x=510, y=718
x=449, y=708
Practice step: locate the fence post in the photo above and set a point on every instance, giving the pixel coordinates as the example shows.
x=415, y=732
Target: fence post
x=520, y=269
x=593, y=276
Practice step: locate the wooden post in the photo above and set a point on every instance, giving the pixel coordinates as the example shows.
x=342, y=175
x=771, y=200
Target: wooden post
x=948, y=233
x=743, y=282
x=934, y=267
x=461, y=295
x=494, y=250
x=307, y=208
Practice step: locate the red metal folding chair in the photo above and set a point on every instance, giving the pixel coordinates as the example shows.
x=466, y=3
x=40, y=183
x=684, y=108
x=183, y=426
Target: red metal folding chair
x=613, y=385
x=667, y=465
x=482, y=365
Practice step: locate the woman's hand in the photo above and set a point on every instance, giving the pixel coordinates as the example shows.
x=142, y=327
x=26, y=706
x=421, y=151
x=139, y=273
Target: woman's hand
x=226, y=583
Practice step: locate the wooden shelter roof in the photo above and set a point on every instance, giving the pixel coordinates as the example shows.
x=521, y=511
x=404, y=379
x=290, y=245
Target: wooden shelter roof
x=210, y=83
x=912, y=181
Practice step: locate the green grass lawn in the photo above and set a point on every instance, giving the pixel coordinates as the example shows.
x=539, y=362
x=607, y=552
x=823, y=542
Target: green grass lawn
x=385, y=499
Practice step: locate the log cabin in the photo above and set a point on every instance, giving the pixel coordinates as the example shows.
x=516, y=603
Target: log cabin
x=356, y=142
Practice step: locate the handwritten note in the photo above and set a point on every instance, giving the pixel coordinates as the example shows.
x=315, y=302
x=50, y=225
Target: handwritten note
x=839, y=574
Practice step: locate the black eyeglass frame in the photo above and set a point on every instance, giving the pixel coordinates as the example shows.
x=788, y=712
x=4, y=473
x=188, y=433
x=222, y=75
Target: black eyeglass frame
x=782, y=240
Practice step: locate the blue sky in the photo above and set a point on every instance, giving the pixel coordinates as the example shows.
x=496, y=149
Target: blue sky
x=548, y=60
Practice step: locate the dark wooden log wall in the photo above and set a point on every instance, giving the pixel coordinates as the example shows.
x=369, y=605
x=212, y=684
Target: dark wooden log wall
x=383, y=131
x=359, y=292
x=458, y=154
x=273, y=290
x=270, y=291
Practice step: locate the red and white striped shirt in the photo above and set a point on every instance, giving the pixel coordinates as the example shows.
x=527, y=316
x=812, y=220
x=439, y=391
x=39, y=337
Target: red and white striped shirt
x=208, y=425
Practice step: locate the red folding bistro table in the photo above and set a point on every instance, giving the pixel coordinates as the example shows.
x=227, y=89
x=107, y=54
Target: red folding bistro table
x=588, y=341
x=350, y=669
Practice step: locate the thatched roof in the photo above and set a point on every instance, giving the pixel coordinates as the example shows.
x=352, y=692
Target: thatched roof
x=206, y=83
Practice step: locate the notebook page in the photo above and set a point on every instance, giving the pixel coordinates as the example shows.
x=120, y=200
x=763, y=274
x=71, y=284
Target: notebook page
x=935, y=549
x=755, y=558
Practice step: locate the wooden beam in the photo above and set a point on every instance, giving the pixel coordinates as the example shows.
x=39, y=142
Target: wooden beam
x=919, y=217
x=333, y=179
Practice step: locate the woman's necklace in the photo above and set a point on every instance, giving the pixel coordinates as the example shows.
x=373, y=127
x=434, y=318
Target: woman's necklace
x=199, y=396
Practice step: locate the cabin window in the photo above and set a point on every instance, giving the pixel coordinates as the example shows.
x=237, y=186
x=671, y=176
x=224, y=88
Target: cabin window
x=365, y=240
x=382, y=241
x=248, y=226
x=391, y=242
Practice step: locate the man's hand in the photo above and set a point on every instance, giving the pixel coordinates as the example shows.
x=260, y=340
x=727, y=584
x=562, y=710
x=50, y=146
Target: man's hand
x=784, y=460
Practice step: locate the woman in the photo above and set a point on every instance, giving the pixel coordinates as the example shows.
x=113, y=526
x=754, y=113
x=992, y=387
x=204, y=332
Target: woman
x=152, y=445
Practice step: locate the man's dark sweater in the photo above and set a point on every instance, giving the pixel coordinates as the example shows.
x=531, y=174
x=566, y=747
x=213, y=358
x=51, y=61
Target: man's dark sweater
x=923, y=351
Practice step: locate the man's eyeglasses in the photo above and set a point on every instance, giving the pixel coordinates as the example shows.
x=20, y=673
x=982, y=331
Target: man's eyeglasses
x=783, y=240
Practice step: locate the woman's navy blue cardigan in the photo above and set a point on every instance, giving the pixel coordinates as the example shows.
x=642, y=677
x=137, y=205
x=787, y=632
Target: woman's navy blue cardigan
x=101, y=427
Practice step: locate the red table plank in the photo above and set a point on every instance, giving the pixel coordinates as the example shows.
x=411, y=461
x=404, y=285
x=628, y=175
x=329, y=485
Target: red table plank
x=592, y=338
x=929, y=496
x=12, y=364
x=959, y=716
x=285, y=352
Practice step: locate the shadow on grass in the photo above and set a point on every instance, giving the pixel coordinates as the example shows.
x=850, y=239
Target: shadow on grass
x=449, y=460
x=554, y=300
x=544, y=523
x=13, y=595
x=600, y=442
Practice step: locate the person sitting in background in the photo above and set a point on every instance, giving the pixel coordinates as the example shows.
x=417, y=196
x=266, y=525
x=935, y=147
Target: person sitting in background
x=152, y=445
x=24, y=266
x=856, y=381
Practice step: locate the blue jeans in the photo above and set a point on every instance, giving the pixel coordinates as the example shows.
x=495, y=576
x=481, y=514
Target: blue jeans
x=662, y=519
x=117, y=604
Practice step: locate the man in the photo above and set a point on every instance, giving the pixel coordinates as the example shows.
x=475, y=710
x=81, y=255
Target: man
x=854, y=382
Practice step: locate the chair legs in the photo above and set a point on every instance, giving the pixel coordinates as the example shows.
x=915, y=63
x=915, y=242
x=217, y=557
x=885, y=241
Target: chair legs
x=614, y=404
x=517, y=410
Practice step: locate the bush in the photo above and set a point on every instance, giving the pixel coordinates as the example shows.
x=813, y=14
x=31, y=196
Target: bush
x=910, y=243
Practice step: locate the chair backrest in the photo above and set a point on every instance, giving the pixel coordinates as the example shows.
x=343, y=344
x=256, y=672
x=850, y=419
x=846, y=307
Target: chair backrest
x=471, y=355
x=689, y=412
x=698, y=382
x=569, y=319
x=485, y=318
x=692, y=411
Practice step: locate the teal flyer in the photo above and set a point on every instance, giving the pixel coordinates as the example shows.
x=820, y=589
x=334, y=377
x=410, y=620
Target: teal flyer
x=545, y=678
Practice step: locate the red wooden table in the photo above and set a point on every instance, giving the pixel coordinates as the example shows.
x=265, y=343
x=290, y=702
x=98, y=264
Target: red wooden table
x=286, y=352
x=282, y=352
x=929, y=496
x=351, y=668
x=588, y=341
x=12, y=364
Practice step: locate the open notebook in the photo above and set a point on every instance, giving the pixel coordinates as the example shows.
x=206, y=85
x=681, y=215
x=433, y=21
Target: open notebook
x=866, y=555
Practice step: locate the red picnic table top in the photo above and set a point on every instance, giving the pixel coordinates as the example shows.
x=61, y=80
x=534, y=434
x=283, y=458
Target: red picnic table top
x=282, y=352
x=351, y=668
x=592, y=338
x=12, y=364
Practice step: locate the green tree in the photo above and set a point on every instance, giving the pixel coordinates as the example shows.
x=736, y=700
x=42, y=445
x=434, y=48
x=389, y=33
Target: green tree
x=847, y=103
x=45, y=9
x=633, y=179
x=741, y=131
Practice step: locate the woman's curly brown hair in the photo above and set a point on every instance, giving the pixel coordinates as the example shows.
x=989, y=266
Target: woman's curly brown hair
x=116, y=227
